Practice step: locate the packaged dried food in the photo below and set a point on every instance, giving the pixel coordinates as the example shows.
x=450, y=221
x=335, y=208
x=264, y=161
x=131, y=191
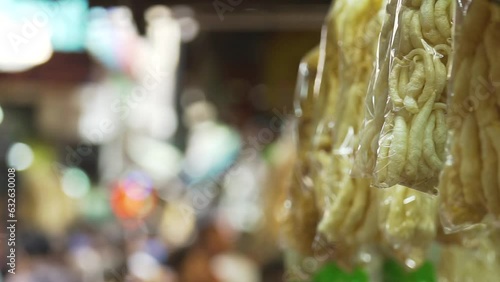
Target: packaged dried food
x=470, y=184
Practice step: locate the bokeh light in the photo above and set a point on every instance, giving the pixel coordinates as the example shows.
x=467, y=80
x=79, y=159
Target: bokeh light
x=18, y=52
x=20, y=156
x=133, y=197
x=178, y=223
x=143, y=266
x=138, y=185
x=75, y=183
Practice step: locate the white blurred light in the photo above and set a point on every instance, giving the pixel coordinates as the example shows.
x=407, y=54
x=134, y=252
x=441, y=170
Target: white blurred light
x=185, y=15
x=178, y=223
x=411, y=263
x=157, y=12
x=20, y=156
x=210, y=145
x=143, y=266
x=409, y=199
x=231, y=267
x=161, y=160
x=97, y=123
x=75, y=183
x=240, y=201
x=87, y=259
x=23, y=44
x=366, y=257
x=245, y=217
x=189, y=28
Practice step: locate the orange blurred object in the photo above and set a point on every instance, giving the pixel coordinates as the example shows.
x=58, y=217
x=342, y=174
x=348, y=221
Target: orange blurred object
x=126, y=206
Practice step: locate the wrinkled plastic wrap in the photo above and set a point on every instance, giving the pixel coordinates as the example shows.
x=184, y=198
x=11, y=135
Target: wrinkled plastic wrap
x=405, y=131
x=470, y=184
x=376, y=99
x=350, y=210
x=315, y=100
x=301, y=211
x=326, y=87
x=408, y=223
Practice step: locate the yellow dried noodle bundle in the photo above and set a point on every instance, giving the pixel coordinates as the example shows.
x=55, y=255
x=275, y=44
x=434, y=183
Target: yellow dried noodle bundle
x=404, y=136
x=470, y=184
x=350, y=215
x=411, y=148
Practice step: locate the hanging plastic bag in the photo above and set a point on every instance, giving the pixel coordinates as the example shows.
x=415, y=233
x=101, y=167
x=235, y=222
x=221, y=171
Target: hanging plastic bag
x=412, y=83
x=301, y=211
x=326, y=89
x=470, y=184
x=350, y=214
x=376, y=99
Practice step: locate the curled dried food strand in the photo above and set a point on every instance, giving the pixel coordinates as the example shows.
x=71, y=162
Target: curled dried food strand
x=398, y=149
x=393, y=85
x=427, y=20
x=430, y=155
x=441, y=17
x=415, y=138
x=417, y=80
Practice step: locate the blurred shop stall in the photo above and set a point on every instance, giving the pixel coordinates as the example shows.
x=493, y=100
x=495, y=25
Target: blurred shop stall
x=144, y=133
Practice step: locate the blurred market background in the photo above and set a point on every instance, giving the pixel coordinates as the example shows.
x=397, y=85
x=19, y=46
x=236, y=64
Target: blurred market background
x=144, y=133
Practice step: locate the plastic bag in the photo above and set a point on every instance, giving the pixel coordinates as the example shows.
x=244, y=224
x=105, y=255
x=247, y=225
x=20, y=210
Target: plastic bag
x=412, y=82
x=308, y=189
x=350, y=214
x=301, y=211
x=408, y=223
x=326, y=90
x=470, y=184
x=376, y=99
x=306, y=102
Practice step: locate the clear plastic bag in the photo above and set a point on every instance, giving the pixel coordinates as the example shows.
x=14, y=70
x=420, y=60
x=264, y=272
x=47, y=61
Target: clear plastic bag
x=314, y=108
x=470, y=184
x=408, y=223
x=301, y=211
x=350, y=213
x=405, y=132
x=326, y=90
x=376, y=99
x=306, y=101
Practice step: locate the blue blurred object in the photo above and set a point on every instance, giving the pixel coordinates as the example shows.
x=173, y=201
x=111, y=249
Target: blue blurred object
x=214, y=148
x=100, y=40
x=67, y=19
x=112, y=38
x=157, y=249
x=78, y=240
x=69, y=25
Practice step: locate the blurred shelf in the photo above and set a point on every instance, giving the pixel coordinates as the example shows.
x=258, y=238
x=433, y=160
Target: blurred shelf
x=250, y=15
x=264, y=18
